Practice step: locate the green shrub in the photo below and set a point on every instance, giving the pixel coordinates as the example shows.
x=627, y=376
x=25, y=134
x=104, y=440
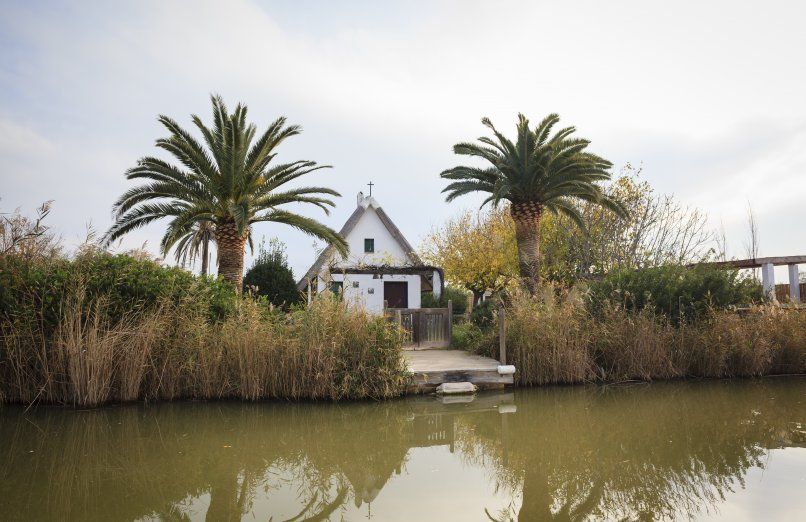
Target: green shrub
x=482, y=314
x=468, y=336
x=677, y=292
x=270, y=277
x=38, y=288
x=457, y=296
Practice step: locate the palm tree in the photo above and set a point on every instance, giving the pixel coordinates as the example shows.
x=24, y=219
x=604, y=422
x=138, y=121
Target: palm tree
x=230, y=184
x=540, y=172
x=195, y=243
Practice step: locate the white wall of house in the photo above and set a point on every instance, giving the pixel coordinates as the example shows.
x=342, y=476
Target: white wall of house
x=369, y=292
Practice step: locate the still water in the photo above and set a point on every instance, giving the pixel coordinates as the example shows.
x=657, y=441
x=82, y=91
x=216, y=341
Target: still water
x=701, y=450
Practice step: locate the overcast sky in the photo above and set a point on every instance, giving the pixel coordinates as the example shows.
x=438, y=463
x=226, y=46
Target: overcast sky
x=710, y=97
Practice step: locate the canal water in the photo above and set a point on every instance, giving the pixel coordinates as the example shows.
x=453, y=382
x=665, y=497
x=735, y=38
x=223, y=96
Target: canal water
x=714, y=450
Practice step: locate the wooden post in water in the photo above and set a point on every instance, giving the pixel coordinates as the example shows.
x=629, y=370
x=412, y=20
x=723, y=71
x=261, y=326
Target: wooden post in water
x=502, y=335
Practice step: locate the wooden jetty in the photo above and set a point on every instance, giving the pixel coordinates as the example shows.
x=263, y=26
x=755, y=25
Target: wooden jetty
x=430, y=368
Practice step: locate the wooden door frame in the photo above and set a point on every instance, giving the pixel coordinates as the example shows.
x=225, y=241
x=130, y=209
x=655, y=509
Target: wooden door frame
x=405, y=285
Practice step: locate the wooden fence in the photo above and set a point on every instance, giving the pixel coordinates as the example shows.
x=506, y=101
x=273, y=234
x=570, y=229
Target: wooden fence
x=782, y=292
x=425, y=327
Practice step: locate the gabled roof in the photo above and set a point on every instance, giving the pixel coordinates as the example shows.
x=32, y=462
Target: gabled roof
x=364, y=204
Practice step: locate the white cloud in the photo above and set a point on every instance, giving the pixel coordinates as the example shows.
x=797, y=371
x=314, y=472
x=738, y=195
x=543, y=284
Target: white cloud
x=706, y=95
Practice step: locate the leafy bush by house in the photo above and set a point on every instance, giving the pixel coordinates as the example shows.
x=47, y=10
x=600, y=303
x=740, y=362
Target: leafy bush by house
x=675, y=291
x=457, y=296
x=468, y=336
x=482, y=314
x=270, y=276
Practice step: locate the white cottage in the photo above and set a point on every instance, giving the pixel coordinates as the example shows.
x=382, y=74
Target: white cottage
x=382, y=267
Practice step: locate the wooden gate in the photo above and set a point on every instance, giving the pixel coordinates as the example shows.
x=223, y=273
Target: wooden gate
x=425, y=327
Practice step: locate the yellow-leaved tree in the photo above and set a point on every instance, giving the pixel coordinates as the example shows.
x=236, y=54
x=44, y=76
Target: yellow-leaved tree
x=477, y=250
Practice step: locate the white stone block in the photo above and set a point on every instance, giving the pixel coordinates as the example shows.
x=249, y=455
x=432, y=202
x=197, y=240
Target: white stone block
x=456, y=388
x=457, y=399
x=507, y=369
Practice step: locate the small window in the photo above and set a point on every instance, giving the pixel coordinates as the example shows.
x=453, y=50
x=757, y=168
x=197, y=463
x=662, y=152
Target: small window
x=369, y=245
x=336, y=287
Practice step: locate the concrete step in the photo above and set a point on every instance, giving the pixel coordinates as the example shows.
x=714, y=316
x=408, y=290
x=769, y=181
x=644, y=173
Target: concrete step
x=456, y=388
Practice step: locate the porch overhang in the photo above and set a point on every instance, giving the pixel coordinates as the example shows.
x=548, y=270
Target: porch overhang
x=425, y=271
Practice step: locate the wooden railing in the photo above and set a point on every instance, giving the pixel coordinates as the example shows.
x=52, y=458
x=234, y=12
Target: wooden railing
x=424, y=327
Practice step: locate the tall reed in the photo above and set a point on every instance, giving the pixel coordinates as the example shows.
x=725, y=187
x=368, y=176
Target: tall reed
x=552, y=338
x=548, y=340
x=174, y=350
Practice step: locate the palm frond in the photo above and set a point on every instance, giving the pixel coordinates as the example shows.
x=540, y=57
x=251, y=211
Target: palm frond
x=308, y=226
x=225, y=179
x=542, y=166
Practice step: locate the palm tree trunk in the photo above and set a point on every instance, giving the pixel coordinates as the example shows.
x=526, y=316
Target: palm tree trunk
x=537, y=497
x=527, y=235
x=230, y=253
x=205, y=255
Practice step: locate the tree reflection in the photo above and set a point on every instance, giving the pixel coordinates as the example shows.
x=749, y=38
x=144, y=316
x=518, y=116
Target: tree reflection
x=647, y=452
x=651, y=452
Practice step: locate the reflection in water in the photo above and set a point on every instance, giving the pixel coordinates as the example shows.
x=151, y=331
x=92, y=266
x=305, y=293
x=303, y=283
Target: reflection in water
x=644, y=452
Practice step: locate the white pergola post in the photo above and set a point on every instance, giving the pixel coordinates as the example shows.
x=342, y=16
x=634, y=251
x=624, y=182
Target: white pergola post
x=794, y=283
x=768, y=280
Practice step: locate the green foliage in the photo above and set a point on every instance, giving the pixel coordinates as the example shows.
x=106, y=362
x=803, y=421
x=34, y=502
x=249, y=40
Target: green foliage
x=36, y=290
x=270, y=276
x=477, y=250
x=482, y=314
x=468, y=336
x=680, y=293
x=457, y=296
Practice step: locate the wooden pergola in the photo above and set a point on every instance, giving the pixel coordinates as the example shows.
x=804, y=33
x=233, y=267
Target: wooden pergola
x=767, y=266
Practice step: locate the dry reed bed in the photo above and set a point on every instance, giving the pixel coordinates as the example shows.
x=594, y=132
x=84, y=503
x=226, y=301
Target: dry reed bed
x=553, y=339
x=325, y=351
x=328, y=351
